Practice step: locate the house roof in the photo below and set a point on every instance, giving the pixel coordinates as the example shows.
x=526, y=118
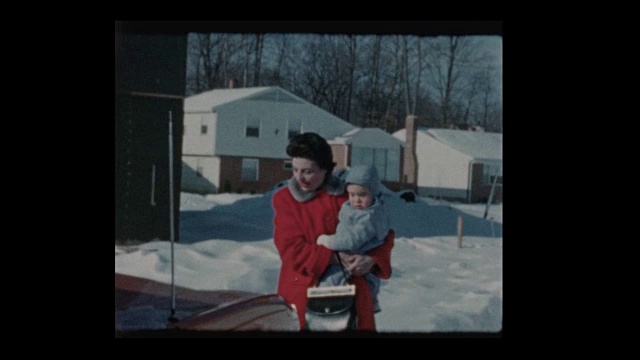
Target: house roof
x=311, y=117
x=371, y=133
x=478, y=145
x=209, y=100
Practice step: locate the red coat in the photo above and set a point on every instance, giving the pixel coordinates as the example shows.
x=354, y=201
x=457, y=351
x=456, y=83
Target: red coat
x=297, y=226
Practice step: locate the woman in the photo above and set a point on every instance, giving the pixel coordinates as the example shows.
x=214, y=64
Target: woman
x=307, y=208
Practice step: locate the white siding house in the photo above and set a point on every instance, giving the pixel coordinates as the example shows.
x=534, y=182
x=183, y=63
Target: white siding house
x=236, y=139
x=457, y=164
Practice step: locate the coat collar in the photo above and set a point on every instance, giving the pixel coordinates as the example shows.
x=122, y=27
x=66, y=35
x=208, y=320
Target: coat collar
x=334, y=186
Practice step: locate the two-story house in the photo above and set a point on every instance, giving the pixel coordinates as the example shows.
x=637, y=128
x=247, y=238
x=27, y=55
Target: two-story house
x=235, y=140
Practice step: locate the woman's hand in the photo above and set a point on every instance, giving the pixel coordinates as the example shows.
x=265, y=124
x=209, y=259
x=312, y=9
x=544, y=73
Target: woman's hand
x=356, y=264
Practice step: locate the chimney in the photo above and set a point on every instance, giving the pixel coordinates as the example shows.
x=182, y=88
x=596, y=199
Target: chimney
x=410, y=155
x=231, y=83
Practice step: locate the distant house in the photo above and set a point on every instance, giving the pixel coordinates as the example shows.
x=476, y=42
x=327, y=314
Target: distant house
x=371, y=146
x=235, y=139
x=457, y=164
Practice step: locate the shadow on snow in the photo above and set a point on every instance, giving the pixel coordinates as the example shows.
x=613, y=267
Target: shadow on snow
x=251, y=219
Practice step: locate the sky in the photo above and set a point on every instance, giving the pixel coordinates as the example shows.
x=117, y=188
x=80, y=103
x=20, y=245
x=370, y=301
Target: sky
x=226, y=243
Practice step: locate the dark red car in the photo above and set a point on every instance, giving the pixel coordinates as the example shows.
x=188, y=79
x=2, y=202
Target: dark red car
x=144, y=307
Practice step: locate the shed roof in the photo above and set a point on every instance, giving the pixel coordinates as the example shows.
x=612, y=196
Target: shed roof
x=371, y=133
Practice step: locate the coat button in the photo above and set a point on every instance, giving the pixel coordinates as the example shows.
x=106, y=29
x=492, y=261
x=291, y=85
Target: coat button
x=295, y=278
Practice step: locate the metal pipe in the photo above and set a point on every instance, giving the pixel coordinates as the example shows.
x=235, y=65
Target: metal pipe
x=153, y=185
x=493, y=188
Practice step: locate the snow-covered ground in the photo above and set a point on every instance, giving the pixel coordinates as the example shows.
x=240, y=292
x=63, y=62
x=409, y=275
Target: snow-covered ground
x=226, y=242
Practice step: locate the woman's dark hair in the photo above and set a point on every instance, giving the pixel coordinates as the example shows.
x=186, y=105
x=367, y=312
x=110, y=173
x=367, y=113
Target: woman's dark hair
x=313, y=147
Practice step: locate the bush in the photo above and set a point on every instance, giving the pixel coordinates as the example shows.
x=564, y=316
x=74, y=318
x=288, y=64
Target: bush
x=408, y=196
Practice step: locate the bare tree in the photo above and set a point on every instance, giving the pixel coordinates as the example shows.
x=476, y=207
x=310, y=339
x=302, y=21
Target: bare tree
x=353, y=51
x=257, y=59
x=207, y=69
x=412, y=67
x=488, y=104
x=211, y=61
x=324, y=74
x=281, y=58
x=393, y=77
x=247, y=54
x=448, y=80
x=404, y=63
x=416, y=93
x=449, y=55
x=225, y=58
x=374, y=77
x=470, y=95
x=193, y=66
x=366, y=80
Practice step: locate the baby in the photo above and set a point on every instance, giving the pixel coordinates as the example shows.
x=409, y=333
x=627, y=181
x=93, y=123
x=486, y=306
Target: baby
x=363, y=225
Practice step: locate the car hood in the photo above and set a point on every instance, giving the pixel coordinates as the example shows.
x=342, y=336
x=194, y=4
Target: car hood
x=143, y=305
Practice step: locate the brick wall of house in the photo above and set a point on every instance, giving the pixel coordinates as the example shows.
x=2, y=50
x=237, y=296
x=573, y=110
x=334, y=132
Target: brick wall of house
x=270, y=173
x=340, y=152
x=481, y=192
x=397, y=186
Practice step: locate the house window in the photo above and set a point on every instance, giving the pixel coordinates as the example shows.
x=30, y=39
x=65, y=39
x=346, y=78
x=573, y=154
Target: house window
x=252, y=128
x=250, y=169
x=294, y=127
x=489, y=172
x=203, y=125
x=382, y=159
x=287, y=165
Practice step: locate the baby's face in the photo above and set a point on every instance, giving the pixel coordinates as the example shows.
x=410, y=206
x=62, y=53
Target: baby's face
x=359, y=196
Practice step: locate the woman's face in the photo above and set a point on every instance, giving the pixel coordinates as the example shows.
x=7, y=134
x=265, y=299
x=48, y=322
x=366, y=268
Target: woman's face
x=307, y=173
